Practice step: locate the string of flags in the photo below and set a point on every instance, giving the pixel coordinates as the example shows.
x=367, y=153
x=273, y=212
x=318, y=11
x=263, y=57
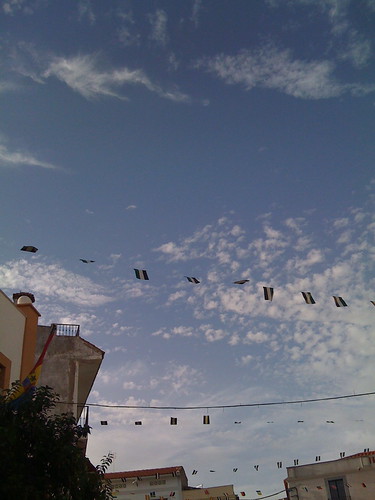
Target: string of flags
x=268, y=291
x=206, y=421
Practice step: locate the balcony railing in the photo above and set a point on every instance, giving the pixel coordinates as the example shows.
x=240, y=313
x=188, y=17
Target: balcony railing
x=67, y=330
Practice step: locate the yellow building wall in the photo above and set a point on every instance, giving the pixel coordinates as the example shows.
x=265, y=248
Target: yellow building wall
x=12, y=326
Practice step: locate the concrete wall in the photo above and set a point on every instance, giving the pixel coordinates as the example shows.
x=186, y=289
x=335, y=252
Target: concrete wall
x=310, y=482
x=70, y=367
x=12, y=326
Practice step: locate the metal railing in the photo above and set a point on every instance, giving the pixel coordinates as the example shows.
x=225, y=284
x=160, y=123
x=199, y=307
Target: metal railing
x=67, y=330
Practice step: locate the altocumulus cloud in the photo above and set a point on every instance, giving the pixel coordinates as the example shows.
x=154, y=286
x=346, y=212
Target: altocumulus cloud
x=53, y=281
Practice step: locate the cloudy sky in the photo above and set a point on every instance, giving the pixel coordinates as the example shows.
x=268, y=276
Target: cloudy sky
x=221, y=140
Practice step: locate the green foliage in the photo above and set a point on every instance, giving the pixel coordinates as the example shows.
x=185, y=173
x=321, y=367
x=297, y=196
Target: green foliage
x=39, y=455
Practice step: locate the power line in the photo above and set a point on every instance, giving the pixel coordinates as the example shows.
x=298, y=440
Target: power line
x=241, y=405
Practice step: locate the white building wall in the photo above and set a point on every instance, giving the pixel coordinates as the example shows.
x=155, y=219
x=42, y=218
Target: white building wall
x=310, y=482
x=148, y=488
x=12, y=327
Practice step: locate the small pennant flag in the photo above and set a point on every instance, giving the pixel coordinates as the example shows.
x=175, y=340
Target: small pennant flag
x=86, y=261
x=206, y=419
x=268, y=293
x=138, y=422
x=29, y=248
x=256, y=467
x=339, y=301
x=141, y=274
x=308, y=298
x=173, y=420
x=192, y=280
x=103, y=422
x=240, y=282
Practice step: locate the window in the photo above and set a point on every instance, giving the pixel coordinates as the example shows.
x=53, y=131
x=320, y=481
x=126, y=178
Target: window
x=336, y=489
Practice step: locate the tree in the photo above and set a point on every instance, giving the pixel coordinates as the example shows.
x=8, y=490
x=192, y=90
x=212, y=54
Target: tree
x=39, y=455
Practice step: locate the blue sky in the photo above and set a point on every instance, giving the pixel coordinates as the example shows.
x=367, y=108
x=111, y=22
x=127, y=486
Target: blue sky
x=220, y=140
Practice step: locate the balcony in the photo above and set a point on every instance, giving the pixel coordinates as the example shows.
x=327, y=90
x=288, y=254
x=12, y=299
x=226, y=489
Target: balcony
x=67, y=330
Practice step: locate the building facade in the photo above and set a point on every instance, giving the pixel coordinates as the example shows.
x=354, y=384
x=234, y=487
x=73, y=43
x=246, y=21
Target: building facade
x=348, y=478
x=167, y=483
x=70, y=365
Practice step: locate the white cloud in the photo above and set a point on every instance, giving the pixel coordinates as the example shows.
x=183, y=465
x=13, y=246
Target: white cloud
x=53, y=282
x=83, y=75
x=85, y=11
x=158, y=22
x=16, y=159
x=273, y=68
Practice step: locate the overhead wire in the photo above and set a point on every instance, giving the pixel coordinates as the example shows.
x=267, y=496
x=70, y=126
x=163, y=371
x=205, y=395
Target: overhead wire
x=239, y=405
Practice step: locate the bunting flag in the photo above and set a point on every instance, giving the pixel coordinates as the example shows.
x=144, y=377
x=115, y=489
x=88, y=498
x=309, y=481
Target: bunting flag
x=141, y=274
x=192, y=280
x=240, y=282
x=26, y=388
x=173, y=421
x=268, y=293
x=29, y=248
x=86, y=261
x=206, y=419
x=339, y=301
x=308, y=298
